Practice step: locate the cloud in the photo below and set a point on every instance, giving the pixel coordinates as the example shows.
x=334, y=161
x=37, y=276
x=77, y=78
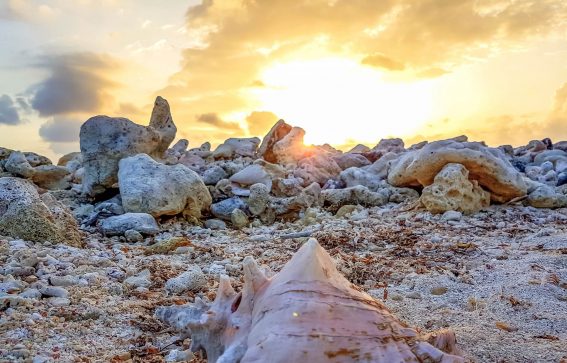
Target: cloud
x=260, y=122
x=8, y=112
x=60, y=129
x=417, y=39
x=77, y=82
x=382, y=61
x=213, y=119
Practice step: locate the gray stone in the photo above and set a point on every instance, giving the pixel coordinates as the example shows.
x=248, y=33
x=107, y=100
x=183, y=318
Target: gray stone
x=18, y=165
x=223, y=209
x=191, y=280
x=259, y=198
x=213, y=175
x=239, y=219
x=133, y=236
x=27, y=215
x=147, y=186
x=106, y=140
x=215, y=224
x=142, y=279
x=118, y=225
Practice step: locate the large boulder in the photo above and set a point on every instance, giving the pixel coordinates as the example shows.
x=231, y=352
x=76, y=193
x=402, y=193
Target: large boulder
x=452, y=190
x=27, y=215
x=486, y=165
x=147, y=186
x=276, y=133
x=106, y=140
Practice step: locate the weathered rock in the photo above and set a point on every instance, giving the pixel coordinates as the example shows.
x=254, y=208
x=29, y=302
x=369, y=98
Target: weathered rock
x=336, y=198
x=142, y=279
x=215, y=224
x=18, y=165
x=270, y=319
x=486, y=165
x=289, y=208
x=453, y=191
x=118, y=225
x=546, y=196
x=192, y=161
x=191, y=280
x=133, y=236
x=390, y=145
x=252, y=174
x=51, y=177
x=26, y=215
x=167, y=245
x=289, y=149
x=147, y=186
x=276, y=133
x=354, y=176
x=36, y=159
x=359, y=149
x=65, y=159
x=237, y=147
x=259, y=198
x=180, y=146
x=238, y=218
x=223, y=209
x=349, y=160
x=318, y=168
x=106, y=140
x=213, y=175
x=287, y=187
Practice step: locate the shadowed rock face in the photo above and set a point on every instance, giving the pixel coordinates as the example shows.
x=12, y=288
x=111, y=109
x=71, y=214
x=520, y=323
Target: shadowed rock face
x=307, y=313
x=106, y=140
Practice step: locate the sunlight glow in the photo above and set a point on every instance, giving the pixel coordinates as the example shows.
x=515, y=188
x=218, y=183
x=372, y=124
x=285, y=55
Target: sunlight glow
x=336, y=100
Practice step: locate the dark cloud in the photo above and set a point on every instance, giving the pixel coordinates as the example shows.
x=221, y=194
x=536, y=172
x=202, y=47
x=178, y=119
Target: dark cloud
x=77, y=82
x=8, y=112
x=382, y=61
x=59, y=129
x=213, y=119
x=260, y=122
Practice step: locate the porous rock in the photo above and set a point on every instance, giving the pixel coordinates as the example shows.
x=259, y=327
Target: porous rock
x=453, y=191
x=147, y=186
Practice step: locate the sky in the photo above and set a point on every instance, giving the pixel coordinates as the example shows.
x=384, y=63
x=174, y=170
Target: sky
x=347, y=71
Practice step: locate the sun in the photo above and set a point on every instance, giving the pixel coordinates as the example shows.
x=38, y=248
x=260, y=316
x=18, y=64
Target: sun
x=338, y=100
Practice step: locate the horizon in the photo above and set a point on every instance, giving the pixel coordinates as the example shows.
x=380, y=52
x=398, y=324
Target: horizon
x=491, y=70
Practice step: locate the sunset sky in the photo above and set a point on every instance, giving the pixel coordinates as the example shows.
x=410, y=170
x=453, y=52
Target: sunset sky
x=347, y=71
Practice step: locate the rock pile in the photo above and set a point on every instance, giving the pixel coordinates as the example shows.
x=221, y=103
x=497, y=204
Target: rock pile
x=248, y=181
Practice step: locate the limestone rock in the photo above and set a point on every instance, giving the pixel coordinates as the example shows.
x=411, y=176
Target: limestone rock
x=237, y=147
x=348, y=160
x=213, y=175
x=26, y=215
x=147, y=186
x=252, y=174
x=51, y=177
x=238, y=218
x=318, y=168
x=486, y=165
x=336, y=198
x=106, y=140
x=453, y=191
x=259, y=198
x=191, y=280
x=546, y=196
x=276, y=133
x=18, y=165
x=140, y=222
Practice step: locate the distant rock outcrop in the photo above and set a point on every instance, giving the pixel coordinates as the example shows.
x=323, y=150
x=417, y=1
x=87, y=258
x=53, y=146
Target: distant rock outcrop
x=106, y=140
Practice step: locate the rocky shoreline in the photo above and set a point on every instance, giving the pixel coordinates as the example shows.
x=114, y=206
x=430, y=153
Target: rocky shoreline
x=447, y=234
